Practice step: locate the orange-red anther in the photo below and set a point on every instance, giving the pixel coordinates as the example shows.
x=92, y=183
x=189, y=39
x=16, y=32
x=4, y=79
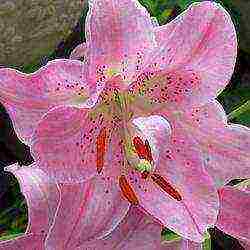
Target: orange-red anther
x=127, y=190
x=101, y=146
x=148, y=150
x=165, y=186
x=139, y=147
x=143, y=150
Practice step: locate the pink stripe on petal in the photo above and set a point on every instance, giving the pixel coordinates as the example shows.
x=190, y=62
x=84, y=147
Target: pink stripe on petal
x=136, y=231
x=119, y=35
x=167, y=89
x=64, y=143
x=203, y=39
x=234, y=213
x=94, y=210
x=28, y=97
x=225, y=147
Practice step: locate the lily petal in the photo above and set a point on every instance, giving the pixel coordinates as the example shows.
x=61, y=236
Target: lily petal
x=190, y=245
x=180, y=164
x=138, y=231
x=171, y=90
x=73, y=145
x=87, y=211
x=42, y=197
x=28, y=97
x=226, y=147
x=203, y=39
x=234, y=213
x=29, y=241
x=119, y=35
x=65, y=143
x=163, y=32
x=79, y=52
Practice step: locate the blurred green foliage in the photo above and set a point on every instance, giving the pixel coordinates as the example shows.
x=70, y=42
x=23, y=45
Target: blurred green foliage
x=14, y=210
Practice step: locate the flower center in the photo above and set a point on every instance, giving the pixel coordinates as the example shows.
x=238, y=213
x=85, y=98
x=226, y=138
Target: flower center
x=139, y=156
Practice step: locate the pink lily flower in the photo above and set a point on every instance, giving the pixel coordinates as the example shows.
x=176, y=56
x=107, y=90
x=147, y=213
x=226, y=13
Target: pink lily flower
x=136, y=120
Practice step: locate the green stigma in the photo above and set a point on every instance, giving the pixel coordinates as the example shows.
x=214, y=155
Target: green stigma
x=119, y=99
x=144, y=165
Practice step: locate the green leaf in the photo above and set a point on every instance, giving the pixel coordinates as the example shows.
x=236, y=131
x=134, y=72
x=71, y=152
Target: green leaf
x=243, y=119
x=206, y=245
x=10, y=236
x=170, y=236
x=241, y=114
x=14, y=212
x=232, y=99
x=164, y=15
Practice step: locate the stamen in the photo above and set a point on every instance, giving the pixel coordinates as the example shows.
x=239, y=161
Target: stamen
x=140, y=147
x=143, y=150
x=100, y=150
x=148, y=150
x=128, y=191
x=165, y=186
